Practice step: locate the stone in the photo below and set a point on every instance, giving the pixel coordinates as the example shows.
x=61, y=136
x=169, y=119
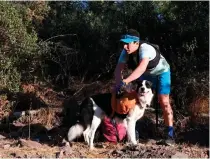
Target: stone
x=179, y=155
x=29, y=143
x=7, y=146
x=2, y=137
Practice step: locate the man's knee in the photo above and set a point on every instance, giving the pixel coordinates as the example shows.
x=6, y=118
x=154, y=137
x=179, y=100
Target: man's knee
x=165, y=105
x=167, y=108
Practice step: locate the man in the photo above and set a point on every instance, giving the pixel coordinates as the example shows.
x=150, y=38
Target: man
x=147, y=63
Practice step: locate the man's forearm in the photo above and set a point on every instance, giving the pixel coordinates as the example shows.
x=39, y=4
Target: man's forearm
x=118, y=73
x=118, y=77
x=138, y=71
x=136, y=74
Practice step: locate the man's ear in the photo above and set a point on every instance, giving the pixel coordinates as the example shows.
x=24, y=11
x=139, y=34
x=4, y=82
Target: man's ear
x=137, y=43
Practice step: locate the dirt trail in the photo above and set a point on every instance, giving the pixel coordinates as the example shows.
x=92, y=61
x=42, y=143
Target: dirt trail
x=43, y=115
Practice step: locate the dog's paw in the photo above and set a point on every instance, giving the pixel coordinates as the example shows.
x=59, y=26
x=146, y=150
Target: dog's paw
x=86, y=137
x=85, y=140
x=134, y=142
x=92, y=148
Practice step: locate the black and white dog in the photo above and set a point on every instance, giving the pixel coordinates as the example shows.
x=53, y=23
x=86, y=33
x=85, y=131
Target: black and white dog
x=94, y=108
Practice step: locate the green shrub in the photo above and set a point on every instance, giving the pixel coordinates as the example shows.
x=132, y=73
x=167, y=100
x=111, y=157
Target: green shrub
x=17, y=47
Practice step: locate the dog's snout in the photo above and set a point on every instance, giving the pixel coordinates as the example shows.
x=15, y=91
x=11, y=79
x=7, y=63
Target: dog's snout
x=142, y=89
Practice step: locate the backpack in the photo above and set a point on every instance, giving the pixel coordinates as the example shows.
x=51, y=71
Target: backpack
x=114, y=132
x=133, y=59
x=123, y=104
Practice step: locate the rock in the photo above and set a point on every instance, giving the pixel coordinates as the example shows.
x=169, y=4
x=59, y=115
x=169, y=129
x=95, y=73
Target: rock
x=7, y=146
x=99, y=145
x=151, y=142
x=64, y=151
x=179, y=155
x=29, y=143
x=18, y=124
x=13, y=154
x=2, y=137
x=135, y=154
x=59, y=154
x=117, y=152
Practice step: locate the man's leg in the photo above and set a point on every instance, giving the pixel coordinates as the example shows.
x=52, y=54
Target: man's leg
x=167, y=110
x=164, y=84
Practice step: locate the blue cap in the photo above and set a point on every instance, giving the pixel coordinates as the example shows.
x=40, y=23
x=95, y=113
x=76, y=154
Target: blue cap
x=129, y=39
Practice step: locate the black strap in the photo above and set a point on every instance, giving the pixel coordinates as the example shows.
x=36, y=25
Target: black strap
x=115, y=126
x=156, y=103
x=133, y=59
x=154, y=62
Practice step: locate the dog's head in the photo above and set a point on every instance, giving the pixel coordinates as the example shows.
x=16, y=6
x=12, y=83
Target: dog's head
x=144, y=91
x=143, y=87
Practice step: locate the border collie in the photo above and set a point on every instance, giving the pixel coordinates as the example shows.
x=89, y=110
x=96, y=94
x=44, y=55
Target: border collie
x=94, y=109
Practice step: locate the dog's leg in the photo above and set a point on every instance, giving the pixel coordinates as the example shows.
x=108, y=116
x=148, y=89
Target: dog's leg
x=131, y=123
x=95, y=124
x=86, y=134
x=131, y=119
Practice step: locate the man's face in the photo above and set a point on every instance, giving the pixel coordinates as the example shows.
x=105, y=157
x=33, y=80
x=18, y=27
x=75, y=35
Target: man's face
x=131, y=47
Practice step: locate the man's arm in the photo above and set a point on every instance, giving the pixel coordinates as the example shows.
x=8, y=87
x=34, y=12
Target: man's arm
x=118, y=72
x=138, y=71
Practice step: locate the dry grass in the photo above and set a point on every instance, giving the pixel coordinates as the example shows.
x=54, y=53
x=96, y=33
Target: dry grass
x=199, y=110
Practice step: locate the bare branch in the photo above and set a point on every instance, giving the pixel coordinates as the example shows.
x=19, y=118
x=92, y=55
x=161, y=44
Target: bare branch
x=63, y=35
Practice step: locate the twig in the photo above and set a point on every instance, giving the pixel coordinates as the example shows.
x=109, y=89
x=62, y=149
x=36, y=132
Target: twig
x=83, y=87
x=60, y=36
x=29, y=122
x=78, y=90
x=83, y=78
x=29, y=126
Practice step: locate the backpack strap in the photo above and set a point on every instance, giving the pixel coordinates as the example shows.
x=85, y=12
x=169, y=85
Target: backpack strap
x=115, y=126
x=154, y=62
x=133, y=59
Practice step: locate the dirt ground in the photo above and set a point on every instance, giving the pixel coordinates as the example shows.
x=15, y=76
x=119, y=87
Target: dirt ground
x=35, y=122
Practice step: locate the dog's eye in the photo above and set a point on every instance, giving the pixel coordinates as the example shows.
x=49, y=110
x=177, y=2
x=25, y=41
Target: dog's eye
x=140, y=85
x=148, y=84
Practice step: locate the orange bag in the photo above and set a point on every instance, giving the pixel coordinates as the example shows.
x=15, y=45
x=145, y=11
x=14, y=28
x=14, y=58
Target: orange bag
x=123, y=104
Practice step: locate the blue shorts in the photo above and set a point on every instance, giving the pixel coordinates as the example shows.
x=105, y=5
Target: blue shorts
x=164, y=82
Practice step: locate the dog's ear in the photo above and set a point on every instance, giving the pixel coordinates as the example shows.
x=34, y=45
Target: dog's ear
x=119, y=94
x=148, y=84
x=135, y=84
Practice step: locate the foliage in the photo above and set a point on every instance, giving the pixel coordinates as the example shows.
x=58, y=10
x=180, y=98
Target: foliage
x=17, y=47
x=67, y=39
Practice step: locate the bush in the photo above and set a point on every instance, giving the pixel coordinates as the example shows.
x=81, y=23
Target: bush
x=17, y=47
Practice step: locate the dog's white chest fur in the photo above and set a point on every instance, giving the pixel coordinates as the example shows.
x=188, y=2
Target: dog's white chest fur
x=146, y=99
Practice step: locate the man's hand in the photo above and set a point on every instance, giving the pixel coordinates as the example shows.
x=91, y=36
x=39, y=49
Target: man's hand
x=120, y=85
x=119, y=88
